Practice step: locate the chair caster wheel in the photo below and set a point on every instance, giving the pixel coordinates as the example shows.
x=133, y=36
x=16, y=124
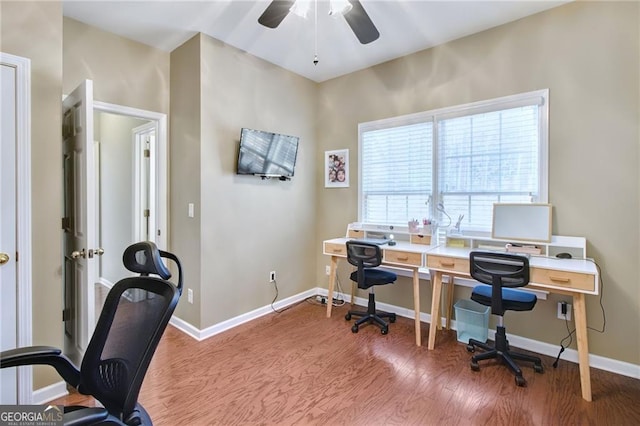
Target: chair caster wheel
x=384, y=330
x=471, y=348
x=354, y=329
x=520, y=381
x=347, y=317
x=392, y=319
x=538, y=368
x=475, y=366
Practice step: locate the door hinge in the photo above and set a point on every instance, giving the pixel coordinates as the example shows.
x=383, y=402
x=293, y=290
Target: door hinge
x=66, y=223
x=147, y=213
x=66, y=314
x=147, y=153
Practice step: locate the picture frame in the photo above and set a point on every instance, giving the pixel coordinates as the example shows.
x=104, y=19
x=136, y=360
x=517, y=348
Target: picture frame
x=336, y=168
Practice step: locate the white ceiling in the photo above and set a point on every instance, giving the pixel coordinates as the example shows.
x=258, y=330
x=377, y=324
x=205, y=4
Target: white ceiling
x=405, y=26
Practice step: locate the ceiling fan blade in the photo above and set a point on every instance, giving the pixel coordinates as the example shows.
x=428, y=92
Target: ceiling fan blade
x=275, y=13
x=361, y=24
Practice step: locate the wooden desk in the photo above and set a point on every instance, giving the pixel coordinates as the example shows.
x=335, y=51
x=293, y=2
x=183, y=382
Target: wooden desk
x=571, y=277
x=402, y=255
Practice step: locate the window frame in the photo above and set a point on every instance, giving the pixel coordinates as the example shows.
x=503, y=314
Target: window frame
x=536, y=97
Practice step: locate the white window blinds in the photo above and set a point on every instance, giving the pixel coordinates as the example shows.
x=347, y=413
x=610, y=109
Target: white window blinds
x=396, y=173
x=463, y=158
x=487, y=158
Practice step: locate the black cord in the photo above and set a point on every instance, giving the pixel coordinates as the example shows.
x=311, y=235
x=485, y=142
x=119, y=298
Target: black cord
x=604, y=318
x=562, y=345
x=339, y=301
x=275, y=284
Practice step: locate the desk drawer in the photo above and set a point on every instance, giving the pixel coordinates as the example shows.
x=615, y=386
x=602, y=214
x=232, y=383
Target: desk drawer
x=404, y=257
x=334, y=249
x=563, y=279
x=445, y=263
x=420, y=239
x=356, y=233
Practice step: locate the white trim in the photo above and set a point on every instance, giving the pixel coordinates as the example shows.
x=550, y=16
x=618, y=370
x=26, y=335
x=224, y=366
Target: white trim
x=240, y=319
x=49, y=393
x=23, y=215
x=595, y=361
x=161, y=161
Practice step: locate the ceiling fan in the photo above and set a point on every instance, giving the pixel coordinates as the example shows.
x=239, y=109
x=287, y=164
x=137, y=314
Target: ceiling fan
x=353, y=13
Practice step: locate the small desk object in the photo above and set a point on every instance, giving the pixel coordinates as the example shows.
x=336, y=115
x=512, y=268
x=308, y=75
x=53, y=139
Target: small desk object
x=571, y=277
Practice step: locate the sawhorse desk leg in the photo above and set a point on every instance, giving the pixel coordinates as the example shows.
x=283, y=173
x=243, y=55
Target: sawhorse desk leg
x=332, y=283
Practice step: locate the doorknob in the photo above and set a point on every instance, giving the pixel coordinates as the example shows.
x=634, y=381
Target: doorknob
x=4, y=258
x=77, y=254
x=99, y=251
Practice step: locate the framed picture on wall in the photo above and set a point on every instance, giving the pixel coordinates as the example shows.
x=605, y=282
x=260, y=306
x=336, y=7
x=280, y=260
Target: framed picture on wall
x=336, y=168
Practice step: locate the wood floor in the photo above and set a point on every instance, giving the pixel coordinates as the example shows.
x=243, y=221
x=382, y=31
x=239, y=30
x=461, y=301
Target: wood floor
x=300, y=368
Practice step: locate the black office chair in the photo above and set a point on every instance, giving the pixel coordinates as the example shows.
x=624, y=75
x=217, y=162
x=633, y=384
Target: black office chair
x=501, y=270
x=123, y=343
x=366, y=257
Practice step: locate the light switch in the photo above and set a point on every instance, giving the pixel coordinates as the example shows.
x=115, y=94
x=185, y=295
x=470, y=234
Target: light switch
x=191, y=210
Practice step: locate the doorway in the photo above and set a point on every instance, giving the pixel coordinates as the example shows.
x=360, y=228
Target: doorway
x=114, y=186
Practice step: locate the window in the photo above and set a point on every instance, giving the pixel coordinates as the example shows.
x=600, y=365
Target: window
x=454, y=162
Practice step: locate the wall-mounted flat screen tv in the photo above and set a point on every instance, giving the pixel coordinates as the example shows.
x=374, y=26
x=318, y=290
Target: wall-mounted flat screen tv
x=267, y=154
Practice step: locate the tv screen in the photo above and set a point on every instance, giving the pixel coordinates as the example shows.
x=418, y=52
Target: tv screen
x=267, y=154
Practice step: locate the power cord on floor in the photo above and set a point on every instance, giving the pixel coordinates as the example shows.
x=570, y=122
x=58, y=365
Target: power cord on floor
x=570, y=332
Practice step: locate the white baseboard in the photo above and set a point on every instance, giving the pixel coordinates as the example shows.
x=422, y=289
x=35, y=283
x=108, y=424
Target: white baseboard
x=49, y=393
x=240, y=319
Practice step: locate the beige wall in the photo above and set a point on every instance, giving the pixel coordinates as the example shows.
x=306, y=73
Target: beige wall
x=124, y=72
x=34, y=30
x=247, y=226
x=587, y=54
x=184, y=181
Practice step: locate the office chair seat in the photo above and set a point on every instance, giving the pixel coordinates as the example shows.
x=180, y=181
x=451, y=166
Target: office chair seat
x=512, y=300
x=366, y=257
x=374, y=277
x=501, y=271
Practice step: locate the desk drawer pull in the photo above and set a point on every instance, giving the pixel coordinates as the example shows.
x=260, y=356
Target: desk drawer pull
x=337, y=250
x=442, y=263
x=403, y=258
x=560, y=279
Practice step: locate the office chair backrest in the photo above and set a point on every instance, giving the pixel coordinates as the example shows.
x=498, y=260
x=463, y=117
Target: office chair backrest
x=133, y=319
x=363, y=256
x=499, y=270
x=366, y=254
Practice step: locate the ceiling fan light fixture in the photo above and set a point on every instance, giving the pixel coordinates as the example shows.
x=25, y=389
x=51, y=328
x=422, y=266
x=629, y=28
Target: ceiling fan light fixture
x=339, y=7
x=301, y=8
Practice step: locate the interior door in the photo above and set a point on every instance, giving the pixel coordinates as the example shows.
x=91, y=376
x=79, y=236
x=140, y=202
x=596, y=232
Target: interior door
x=79, y=242
x=8, y=283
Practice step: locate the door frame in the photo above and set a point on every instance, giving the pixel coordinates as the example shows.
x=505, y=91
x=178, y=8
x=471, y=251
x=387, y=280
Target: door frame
x=160, y=165
x=23, y=216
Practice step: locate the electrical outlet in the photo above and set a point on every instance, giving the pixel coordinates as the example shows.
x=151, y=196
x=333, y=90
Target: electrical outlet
x=561, y=315
x=272, y=276
x=327, y=270
x=190, y=296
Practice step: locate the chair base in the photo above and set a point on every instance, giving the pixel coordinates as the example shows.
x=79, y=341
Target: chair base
x=501, y=351
x=371, y=316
